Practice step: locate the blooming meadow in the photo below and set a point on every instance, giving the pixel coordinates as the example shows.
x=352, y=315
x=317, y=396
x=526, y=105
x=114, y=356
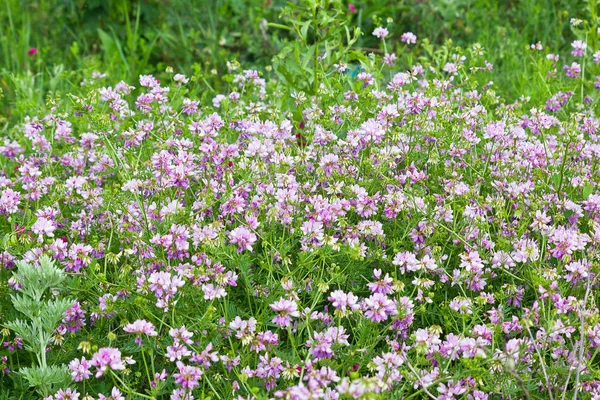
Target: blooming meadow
x=358, y=226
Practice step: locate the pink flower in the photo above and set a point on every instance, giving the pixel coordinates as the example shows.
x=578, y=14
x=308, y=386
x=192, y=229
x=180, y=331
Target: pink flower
x=345, y=302
x=182, y=79
x=177, y=351
x=74, y=318
x=9, y=201
x=141, y=326
x=181, y=394
x=461, y=305
x=206, y=357
x=286, y=309
x=43, y=226
x=268, y=370
x=108, y=358
x=351, y=8
x=115, y=394
x=67, y=394
x=80, y=369
x=149, y=81
x=381, y=32
x=389, y=59
x=573, y=70
x=378, y=307
x=32, y=51
x=579, y=47
x=321, y=344
x=243, y=237
x=181, y=335
x=408, y=38
x=164, y=286
x=450, y=68
x=188, y=376
x=383, y=286
x=212, y=292
x=313, y=233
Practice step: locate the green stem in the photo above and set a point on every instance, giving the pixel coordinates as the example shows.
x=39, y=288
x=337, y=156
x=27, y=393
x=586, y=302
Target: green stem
x=316, y=61
x=562, y=169
x=42, y=353
x=127, y=388
x=146, y=368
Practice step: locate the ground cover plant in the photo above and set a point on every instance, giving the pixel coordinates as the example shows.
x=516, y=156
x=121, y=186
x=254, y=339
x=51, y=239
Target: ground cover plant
x=344, y=223
x=49, y=46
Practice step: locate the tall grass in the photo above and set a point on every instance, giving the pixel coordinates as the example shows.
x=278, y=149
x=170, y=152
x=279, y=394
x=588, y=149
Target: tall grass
x=125, y=38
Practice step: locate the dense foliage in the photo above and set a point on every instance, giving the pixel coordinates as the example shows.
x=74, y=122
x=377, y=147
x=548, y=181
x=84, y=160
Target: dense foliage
x=345, y=223
x=48, y=46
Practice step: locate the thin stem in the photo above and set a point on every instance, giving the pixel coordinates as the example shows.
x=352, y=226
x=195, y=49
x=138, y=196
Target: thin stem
x=127, y=388
x=416, y=374
x=146, y=368
x=582, y=338
x=542, y=364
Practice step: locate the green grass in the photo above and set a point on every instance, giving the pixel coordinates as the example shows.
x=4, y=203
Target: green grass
x=126, y=38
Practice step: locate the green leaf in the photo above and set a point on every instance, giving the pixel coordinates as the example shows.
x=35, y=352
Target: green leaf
x=556, y=179
x=308, y=56
x=42, y=377
x=587, y=190
x=304, y=30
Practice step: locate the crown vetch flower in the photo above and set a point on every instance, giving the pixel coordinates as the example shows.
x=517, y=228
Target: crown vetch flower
x=243, y=237
x=140, y=327
x=286, y=309
x=108, y=358
x=380, y=32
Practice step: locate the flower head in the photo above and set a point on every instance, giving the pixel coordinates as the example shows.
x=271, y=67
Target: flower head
x=408, y=38
x=108, y=358
x=381, y=32
x=243, y=237
x=286, y=309
x=140, y=327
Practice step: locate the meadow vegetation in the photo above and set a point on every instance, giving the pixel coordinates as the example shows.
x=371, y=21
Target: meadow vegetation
x=305, y=200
